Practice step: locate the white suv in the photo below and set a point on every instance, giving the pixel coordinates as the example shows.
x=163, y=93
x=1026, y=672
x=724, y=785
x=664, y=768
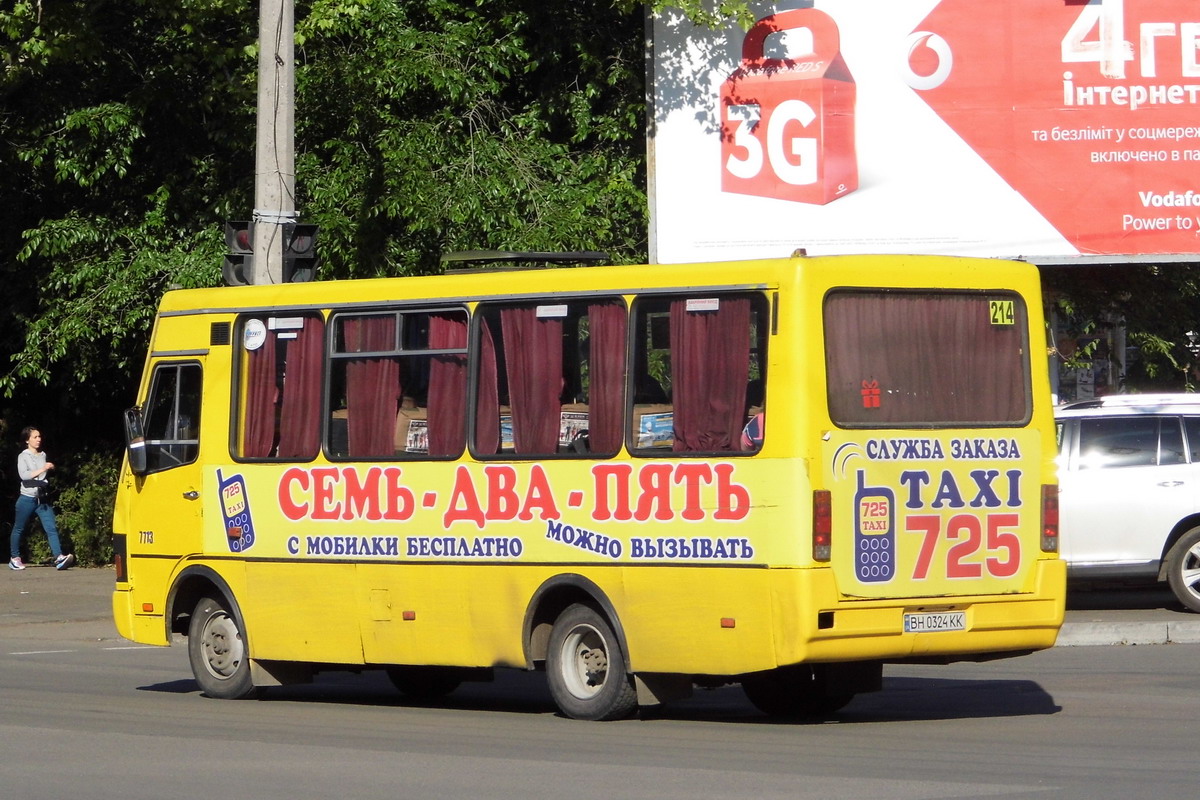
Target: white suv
x=1129, y=490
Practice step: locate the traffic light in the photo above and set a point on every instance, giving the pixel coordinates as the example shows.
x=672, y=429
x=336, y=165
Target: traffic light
x=239, y=258
x=299, y=252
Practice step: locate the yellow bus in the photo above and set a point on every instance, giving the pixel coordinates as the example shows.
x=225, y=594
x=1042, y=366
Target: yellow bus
x=638, y=479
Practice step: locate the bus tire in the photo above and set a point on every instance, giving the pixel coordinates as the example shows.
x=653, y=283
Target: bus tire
x=1183, y=569
x=217, y=651
x=424, y=683
x=794, y=692
x=585, y=667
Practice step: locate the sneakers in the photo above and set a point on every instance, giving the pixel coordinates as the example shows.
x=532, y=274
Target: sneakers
x=65, y=561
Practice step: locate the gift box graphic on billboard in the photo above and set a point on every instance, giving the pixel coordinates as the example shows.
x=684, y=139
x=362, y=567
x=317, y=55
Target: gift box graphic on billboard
x=787, y=124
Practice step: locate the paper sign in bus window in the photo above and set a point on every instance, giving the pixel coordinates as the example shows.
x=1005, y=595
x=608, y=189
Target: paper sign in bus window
x=1002, y=312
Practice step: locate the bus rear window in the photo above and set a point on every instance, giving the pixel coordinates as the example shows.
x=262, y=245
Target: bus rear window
x=926, y=359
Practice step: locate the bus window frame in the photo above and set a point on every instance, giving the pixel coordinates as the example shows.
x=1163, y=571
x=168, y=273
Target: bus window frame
x=238, y=381
x=397, y=312
x=763, y=313
x=162, y=446
x=489, y=309
x=1022, y=325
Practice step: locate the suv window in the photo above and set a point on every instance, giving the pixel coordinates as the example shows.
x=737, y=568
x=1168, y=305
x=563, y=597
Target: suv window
x=1191, y=426
x=1130, y=442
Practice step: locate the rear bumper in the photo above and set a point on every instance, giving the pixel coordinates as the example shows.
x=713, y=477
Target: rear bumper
x=874, y=629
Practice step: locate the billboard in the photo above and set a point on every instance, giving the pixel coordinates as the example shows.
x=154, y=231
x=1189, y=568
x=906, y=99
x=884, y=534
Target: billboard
x=1051, y=130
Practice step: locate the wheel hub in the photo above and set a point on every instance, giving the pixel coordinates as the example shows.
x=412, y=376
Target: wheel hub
x=595, y=665
x=222, y=647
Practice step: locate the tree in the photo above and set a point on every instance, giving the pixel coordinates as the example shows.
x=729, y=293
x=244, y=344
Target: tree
x=127, y=139
x=423, y=126
x=1158, y=305
x=125, y=136
x=443, y=125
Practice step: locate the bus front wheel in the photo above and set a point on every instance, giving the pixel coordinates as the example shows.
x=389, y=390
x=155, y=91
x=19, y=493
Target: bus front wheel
x=217, y=651
x=585, y=667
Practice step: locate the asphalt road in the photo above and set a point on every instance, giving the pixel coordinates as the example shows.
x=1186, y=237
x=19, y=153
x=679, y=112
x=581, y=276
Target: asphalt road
x=88, y=715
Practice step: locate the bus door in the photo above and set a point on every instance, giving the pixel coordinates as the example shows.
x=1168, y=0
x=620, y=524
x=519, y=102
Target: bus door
x=167, y=514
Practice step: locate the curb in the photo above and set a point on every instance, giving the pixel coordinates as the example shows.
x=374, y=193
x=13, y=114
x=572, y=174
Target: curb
x=1077, y=634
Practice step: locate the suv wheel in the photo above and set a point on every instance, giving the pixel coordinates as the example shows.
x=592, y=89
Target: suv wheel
x=1183, y=569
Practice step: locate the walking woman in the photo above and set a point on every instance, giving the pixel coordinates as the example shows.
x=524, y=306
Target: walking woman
x=34, y=469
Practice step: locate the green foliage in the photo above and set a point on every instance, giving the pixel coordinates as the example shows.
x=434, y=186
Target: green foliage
x=97, y=326
x=125, y=135
x=701, y=12
x=85, y=508
x=448, y=125
x=1159, y=356
x=1158, y=305
x=422, y=126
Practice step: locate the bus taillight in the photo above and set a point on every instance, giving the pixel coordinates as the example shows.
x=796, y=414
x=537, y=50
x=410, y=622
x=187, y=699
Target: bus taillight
x=822, y=525
x=1049, y=519
x=120, y=558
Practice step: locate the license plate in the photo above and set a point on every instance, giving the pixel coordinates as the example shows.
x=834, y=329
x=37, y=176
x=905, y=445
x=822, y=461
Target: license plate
x=935, y=622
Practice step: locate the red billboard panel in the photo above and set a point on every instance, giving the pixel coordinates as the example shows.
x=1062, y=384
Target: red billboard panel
x=1045, y=129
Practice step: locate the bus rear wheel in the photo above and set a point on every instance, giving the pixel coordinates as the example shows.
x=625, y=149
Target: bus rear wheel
x=794, y=692
x=585, y=667
x=217, y=651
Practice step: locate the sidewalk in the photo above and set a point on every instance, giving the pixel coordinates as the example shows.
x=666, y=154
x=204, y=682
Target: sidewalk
x=79, y=602
x=46, y=603
x=1146, y=615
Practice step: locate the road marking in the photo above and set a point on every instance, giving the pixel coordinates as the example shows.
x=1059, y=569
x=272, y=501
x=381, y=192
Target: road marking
x=50, y=652
x=135, y=647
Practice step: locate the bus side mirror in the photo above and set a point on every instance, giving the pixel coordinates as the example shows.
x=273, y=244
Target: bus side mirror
x=135, y=441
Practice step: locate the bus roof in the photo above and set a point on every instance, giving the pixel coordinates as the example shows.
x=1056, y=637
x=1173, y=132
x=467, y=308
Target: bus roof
x=900, y=271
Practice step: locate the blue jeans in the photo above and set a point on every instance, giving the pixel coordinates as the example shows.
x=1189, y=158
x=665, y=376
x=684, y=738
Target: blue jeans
x=26, y=507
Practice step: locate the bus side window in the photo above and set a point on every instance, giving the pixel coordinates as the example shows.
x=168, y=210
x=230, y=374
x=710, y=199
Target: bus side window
x=280, y=387
x=698, y=374
x=398, y=384
x=551, y=378
x=172, y=418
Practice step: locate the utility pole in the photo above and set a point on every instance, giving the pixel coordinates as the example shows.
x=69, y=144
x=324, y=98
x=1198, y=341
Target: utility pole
x=274, y=157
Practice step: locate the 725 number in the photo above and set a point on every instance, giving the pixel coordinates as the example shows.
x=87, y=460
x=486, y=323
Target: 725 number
x=999, y=541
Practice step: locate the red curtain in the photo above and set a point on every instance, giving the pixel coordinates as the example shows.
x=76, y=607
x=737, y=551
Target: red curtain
x=372, y=388
x=447, y=385
x=300, y=412
x=258, y=421
x=710, y=365
x=487, y=395
x=533, y=354
x=606, y=401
